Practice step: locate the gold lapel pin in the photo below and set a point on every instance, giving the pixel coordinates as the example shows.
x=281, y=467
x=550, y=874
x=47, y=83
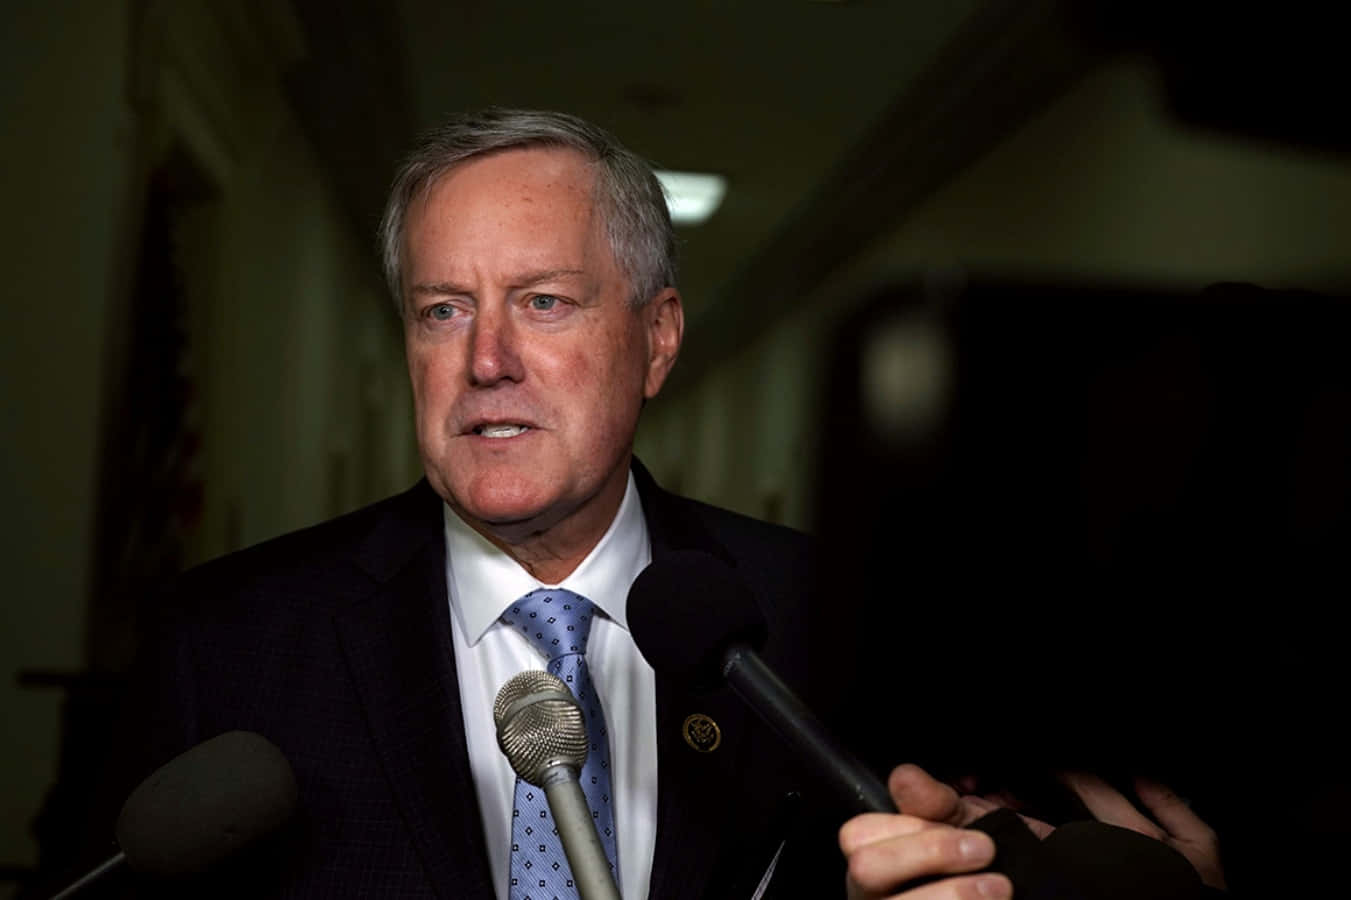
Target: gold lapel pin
x=701, y=733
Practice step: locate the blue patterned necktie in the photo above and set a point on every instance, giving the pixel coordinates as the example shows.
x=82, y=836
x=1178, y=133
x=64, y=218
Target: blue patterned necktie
x=557, y=624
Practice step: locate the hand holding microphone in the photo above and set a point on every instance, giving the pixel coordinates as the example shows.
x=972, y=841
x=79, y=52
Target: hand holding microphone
x=694, y=620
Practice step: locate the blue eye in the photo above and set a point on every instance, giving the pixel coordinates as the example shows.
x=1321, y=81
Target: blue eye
x=441, y=312
x=543, y=302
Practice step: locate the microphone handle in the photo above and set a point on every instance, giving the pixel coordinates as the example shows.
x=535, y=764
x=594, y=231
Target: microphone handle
x=776, y=703
x=586, y=857
x=108, y=865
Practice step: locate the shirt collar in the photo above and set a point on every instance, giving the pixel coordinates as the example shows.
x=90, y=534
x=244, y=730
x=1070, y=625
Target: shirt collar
x=482, y=580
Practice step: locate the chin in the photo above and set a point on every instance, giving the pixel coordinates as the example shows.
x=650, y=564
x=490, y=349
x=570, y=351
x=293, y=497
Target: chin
x=503, y=503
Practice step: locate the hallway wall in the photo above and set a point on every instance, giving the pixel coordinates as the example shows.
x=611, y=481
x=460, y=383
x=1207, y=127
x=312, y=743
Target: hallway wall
x=300, y=404
x=1102, y=186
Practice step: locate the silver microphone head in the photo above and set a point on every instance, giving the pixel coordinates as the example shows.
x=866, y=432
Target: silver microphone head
x=539, y=725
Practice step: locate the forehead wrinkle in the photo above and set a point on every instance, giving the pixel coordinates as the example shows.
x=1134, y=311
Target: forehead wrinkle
x=436, y=288
x=530, y=279
x=528, y=264
x=526, y=279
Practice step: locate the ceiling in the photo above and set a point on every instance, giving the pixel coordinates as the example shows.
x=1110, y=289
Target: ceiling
x=829, y=119
x=769, y=93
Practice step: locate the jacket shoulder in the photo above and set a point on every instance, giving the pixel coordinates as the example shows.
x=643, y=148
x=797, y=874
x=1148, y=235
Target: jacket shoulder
x=745, y=535
x=330, y=559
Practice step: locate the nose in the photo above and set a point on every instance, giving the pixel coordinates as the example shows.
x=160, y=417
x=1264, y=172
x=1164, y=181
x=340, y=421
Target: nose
x=493, y=352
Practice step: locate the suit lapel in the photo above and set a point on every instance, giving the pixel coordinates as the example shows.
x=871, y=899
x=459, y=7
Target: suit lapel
x=692, y=822
x=397, y=645
x=398, y=649
x=693, y=828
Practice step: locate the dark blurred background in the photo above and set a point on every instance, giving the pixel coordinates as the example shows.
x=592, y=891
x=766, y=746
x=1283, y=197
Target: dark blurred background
x=953, y=315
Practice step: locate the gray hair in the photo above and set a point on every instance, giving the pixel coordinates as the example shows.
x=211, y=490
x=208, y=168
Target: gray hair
x=631, y=201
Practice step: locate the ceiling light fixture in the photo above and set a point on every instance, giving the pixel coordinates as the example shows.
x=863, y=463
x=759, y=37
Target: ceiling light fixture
x=692, y=196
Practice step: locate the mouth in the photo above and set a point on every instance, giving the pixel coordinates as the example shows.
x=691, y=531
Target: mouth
x=500, y=430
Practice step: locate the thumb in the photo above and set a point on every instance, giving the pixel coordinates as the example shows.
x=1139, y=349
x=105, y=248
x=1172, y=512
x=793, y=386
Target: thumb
x=917, y=793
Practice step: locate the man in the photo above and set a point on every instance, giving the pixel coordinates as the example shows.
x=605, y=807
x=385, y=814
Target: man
x=532, y=261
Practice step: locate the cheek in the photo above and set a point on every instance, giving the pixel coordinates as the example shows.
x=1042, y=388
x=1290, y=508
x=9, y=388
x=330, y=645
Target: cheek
x=430, y=369
x=419, y=379
x=429, y=376
x=624, y=356
x=616, y=389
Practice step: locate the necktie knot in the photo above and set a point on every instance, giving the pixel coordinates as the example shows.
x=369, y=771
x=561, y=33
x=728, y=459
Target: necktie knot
x=555, y=621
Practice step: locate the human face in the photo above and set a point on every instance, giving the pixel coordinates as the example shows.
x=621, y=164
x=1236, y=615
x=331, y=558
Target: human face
x=528, y=362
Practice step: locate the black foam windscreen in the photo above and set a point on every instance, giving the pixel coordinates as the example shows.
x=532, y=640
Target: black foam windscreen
x=206, y=804
x=685, y=609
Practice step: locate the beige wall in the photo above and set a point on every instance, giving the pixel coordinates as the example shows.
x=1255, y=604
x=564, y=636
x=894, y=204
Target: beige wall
x=305, y=349
x=1101, y=185
x=1104, y=184
x=304, y=404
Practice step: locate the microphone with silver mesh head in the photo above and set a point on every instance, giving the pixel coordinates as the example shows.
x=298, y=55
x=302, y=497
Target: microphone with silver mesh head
x=541, y=730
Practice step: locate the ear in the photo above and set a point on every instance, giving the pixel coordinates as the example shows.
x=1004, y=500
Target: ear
x=664, y=321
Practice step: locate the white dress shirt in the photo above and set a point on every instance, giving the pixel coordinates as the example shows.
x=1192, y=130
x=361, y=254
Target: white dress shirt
x=482, y=581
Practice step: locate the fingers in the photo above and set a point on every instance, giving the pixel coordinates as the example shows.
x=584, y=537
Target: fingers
x=871, y=828
x=1181, y=828
x=917, y=793
x=983, y=805
x=1190, y=835
x=966, y=887
x=884, y=852
x=1172, y=812
x=1108, y=805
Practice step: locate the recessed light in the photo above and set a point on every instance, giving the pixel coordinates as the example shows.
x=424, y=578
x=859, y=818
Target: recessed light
x=692, y=196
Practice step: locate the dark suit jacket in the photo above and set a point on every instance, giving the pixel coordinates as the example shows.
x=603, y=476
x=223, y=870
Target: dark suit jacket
x=334, y=642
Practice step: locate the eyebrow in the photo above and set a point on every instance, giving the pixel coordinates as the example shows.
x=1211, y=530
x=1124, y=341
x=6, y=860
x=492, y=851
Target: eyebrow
x=530, y=279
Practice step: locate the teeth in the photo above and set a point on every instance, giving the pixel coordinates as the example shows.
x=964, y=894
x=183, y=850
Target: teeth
x=502, y=431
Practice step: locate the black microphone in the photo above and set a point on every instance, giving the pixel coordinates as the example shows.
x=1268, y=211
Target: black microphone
x=542, y=732
x=693, y=619
x=200, y=808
